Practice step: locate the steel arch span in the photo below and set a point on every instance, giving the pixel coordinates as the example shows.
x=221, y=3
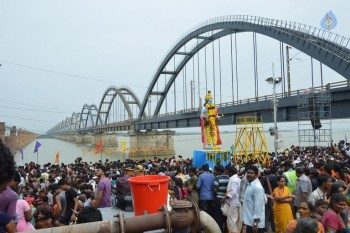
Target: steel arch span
x=66, y=124
x=60, y=126
x=88, y=112
x=129, y=100
x=70, y=124
x=328, y=48
x=74, y=121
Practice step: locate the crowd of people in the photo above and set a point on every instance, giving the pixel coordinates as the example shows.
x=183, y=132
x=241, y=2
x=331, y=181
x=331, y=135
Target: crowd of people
x=299, y=190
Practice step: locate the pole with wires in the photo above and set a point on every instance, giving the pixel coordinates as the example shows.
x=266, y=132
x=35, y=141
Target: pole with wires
x=274, y=80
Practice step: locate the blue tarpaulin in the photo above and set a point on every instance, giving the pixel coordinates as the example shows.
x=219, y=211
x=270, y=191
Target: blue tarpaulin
x=211, y=157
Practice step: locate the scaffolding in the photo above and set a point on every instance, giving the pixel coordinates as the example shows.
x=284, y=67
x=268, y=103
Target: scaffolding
x=314, y=113
x=250, y=141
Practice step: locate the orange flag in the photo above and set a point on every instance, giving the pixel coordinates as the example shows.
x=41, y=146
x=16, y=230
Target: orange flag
x=99, y=147
x=57, y=160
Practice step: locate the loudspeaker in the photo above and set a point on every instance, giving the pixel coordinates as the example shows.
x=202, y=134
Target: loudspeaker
x=316, y=123
x=315, y=109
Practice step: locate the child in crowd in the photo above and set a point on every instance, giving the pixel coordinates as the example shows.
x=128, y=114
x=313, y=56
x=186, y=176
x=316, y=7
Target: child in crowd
x=44, y=219
x=91, y=200
x=180, y=192
x=82, y=199
x=171, y=187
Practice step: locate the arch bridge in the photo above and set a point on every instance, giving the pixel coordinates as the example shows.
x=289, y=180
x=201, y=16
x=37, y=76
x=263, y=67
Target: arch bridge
x=195, y=64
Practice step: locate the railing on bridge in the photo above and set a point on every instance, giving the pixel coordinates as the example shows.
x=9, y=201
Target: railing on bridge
x=316, y=35
x=335, y=44
x=257, y=99
x=329, y=86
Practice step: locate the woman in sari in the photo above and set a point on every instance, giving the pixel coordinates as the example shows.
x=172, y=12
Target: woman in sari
x=306, y=210
x=281, y=208
x=331, y=220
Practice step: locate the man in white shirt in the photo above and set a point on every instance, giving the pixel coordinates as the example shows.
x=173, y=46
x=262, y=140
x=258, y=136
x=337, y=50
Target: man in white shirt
x=253, y=214
x=234, y=222
x=244, y=181
x=324, y=183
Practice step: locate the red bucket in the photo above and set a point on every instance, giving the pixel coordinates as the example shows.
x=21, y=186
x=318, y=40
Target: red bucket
x=149, y=193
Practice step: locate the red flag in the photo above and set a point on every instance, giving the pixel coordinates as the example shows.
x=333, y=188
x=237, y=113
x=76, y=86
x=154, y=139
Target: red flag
x=99, y=147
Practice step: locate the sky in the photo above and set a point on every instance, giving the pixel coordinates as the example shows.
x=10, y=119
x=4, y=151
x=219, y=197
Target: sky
x=56, y=56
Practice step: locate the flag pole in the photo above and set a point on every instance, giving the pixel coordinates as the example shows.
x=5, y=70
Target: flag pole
x=37, y=157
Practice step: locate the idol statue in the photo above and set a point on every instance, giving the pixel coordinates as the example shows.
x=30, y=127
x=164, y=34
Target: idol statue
x=209, y=124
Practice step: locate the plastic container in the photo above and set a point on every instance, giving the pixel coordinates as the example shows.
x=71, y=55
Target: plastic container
x=149, y=193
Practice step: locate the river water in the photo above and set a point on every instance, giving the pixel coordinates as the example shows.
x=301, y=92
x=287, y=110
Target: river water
x=184, y=144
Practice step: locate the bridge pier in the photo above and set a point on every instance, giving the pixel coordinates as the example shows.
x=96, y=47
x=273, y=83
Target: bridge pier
x=17, y=138
x=2, y=131
x=151, y=143
x=70, y=138
x=26, y=138
x=82, y=139
x=11, y=141
x=109, y=140
x=67, y=137
x=20, y=138
x=78, y=139
x=88, y=139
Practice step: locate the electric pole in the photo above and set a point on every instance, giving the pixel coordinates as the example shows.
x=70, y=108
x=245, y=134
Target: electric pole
x=288, y=70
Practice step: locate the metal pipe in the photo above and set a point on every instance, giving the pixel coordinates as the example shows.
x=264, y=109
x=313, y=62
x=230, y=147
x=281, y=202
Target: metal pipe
x=176, y=220
x=208, y=223
x=93, y=227
x=184, y=215
x=143, y=223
